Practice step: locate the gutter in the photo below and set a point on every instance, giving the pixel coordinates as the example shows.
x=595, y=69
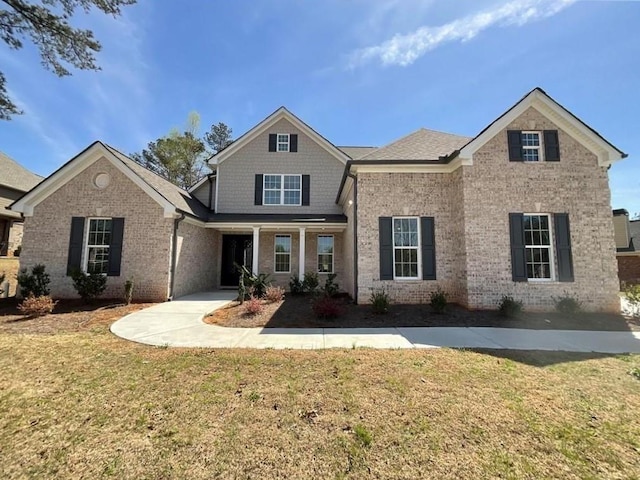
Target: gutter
x=174, y=254
x=355, y=236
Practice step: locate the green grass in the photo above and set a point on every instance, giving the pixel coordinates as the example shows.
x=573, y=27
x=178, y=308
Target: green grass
x=88, y=405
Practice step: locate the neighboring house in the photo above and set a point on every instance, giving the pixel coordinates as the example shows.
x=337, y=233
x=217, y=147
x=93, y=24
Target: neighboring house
x=15, y=180
x=521, y=209
x=627, y=236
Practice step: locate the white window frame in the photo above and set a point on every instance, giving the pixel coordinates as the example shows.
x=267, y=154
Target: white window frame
x=418, y=248
x=552, y=270
x=282, y=189
x=528, y=147
x=333, y=248
x=287, y=143
x=86, y=246
x=276, y=253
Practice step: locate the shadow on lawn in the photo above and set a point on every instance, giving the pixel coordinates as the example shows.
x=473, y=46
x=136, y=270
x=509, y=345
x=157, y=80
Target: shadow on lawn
x=544, y=358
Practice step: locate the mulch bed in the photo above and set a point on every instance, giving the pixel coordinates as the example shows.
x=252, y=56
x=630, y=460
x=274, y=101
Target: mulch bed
x=67, y=316
x=296, y=312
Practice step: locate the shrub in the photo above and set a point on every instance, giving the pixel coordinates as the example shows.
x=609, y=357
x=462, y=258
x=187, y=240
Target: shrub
x=331, y=288
x=17, y=251
x=380, y=301
x=509, y=307
x=327, y=307
x=253, y=306
x=250, y=284
x=632, y=292
x=89, y=285
x=295, y=286
x=438, y=301
x=310, y=283
x=37, y=306
x=567, y=304
x=34, y=284
x=274, y=294
x=128, y=291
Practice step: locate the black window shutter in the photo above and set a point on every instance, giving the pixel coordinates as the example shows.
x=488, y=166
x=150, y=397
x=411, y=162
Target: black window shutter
x=272, y=142
x=428, y=238
x=514, y=139
x=293, y=142
x=563, y=247
x=551, y=146
x=115, y=247
x=518, y=250
x=258, y=190
x=306, y=189
x=76, y=241
x=386, y=248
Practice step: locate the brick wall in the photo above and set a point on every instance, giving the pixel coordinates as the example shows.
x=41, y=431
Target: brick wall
x=146, y=242
x=197, y=267
x=629, y=268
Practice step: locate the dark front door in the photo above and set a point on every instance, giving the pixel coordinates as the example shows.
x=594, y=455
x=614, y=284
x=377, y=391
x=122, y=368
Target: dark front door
x=236, y=250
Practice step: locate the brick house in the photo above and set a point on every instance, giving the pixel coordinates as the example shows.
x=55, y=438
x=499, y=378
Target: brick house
x=627, y=238
x=15, y=181
x=523, y=208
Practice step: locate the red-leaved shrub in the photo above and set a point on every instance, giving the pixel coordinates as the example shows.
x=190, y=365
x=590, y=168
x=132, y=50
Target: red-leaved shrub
x=327, y=307
x=253, y=306
x=274, y=294
x=37, y=306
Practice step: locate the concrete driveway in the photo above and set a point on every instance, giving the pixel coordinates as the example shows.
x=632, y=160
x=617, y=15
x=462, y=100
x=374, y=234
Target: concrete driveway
x=179, y=324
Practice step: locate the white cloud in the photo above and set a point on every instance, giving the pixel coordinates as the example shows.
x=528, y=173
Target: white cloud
x=403, y=50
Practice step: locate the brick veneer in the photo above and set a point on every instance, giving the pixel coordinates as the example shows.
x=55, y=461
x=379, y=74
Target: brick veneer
x=146, y=242
x=629, y=268
x=197, y=263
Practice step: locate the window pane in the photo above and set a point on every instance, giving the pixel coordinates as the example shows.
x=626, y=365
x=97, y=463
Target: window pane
x=272, y=181
x=292, y=197
x=292, y=182
x=325, y=244
x=283, y=243
x=272, y=197
x=98, y=259
x=283, y=138
x=325, y=263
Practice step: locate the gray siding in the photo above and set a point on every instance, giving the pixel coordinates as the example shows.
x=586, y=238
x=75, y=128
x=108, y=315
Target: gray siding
x=202, y=193
x=237, y=174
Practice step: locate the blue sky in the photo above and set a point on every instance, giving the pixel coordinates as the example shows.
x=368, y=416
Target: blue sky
x=361, y=72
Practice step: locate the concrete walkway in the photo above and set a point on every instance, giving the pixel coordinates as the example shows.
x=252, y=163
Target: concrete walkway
x=179, y=324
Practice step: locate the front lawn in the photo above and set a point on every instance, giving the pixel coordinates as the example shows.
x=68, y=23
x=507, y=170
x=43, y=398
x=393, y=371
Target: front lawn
x=86, y=404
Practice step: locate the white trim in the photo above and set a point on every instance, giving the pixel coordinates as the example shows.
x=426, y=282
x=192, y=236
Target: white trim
x=290, y=251
x=278, y=142
x=412, y=168
x=539, y=148
x=266, y=124
x=282, y=189
x=302, y=247
x=417, y=247
x=333, y=252
x=569, y=124
x=95, y=152
x=256, y=251
x=247, y=226
x=552, y=249
x=215, y=209
x=85, y=242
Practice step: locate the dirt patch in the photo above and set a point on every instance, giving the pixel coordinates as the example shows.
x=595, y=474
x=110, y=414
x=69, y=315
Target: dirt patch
x=68, y=316
x=296, y=312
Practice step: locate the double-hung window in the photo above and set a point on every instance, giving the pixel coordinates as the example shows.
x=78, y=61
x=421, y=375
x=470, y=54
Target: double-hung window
x=531, y=147
x=406, y=247
x=98, y=241
x=283, y=253
x=283, y=142
x=325, y=253
x=537, y=238
x=282, y=190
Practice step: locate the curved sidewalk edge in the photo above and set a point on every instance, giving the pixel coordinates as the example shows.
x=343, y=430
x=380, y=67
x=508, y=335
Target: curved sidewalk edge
x=179, y=324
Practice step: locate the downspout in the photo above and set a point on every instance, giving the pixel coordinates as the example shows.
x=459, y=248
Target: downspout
x=355, y=235
x=174, y=254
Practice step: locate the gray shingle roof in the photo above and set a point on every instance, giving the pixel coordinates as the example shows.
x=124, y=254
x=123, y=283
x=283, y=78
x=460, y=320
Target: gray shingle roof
x=14, y=175
x=177, y=196
x=422, y=144
x=358, y=152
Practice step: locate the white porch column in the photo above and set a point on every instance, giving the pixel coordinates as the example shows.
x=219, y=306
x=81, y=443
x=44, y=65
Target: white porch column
x=302, y=251
x=256, y=249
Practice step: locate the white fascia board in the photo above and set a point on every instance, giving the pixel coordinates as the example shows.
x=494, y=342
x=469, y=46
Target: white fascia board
x=557, y=114
x=275, y=226
x=415, y=168
x=346, y=189
x=97, y=151
x=281, y=113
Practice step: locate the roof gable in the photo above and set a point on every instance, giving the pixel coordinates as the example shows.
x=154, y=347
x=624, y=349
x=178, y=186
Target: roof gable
x=266, y=124
x=15, y=176
x=538, y=99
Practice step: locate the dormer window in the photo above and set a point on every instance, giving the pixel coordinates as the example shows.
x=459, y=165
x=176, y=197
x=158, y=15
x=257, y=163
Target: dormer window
x=531, y=146
x=283, y=142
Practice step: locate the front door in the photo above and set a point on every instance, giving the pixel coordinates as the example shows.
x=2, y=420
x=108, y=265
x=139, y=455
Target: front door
x=236, y=250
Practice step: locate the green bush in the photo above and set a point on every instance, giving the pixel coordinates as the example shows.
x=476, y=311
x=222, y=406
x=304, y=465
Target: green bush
x=89, y=285
x=380, y=301
x=34, y=284
x=128, y=291
x=331, y=288
x=251, y=284
x=509, y=307
x=632, y=292
x=310, y=283
x=438, y=301
x=295, y=285
x=567, y=304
